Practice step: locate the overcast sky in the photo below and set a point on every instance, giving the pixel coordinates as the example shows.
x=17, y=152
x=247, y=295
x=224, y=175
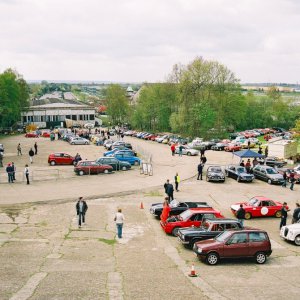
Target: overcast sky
x=139, y=40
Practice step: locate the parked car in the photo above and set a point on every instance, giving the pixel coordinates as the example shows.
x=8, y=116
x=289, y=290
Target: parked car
x=186, y=150
x=232, y=147
x=239, y=173
x=176, y=207
x=190, y=217
x=46, y=134
x=273, y=161
x=61, y=158
x=268, y=174
x=114, y=163
x=79, y=141
x=31, y=135
x=117, y=149
x=259, y=206
x=88, y=167
x=252, y=243
x=245, y=145
x=288, y=174
x=215, y=173
x=219, y=146
x=291, y=233
x=133, y=160
x=209, y=229
x=297, y=169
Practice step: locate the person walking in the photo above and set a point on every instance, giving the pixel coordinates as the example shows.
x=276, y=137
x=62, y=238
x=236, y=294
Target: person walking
x=292, y=181
x=31, y=154
x=35, y=148
x=26, y=173
x=177, y=180
x=202, y=152
x=119, y=219
x=200, y=169
x=180, y=150
x=173, y=149
x=19, y=149
x=14, y=169
x=284, y=179
x=240, y=214
x=296, y=214
x=81, y=208
x=284, y=212
x=9, y=171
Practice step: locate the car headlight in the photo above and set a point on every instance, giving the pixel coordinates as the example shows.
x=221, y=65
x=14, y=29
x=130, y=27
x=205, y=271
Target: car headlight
x=199, y=250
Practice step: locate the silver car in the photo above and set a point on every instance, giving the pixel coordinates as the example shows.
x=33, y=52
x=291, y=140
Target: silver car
x=79, y=141
x=268, y=174
x=186, y=150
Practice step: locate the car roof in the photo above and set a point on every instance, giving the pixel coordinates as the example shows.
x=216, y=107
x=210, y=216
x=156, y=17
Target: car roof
x=246, y=229
x=261, y=198
x=221, y=221
x=203, y=209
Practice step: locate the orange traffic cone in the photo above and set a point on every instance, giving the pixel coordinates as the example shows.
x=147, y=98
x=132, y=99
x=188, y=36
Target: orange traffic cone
x=193, y=272
x=142, y=205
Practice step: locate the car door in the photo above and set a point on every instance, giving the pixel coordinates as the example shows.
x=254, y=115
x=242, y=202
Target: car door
x=237, y=245
x=257, y=242
x=269, y=208
x=66, y=159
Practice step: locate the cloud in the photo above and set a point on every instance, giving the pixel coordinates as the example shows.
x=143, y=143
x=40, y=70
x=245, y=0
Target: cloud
x=138, y=40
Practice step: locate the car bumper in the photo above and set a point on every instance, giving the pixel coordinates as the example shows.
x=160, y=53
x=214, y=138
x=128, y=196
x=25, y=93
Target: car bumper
x=216, y=179
x=182, y=241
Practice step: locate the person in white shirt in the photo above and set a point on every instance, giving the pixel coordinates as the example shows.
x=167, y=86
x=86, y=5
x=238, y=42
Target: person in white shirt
x=26, y=173
x=119, y=219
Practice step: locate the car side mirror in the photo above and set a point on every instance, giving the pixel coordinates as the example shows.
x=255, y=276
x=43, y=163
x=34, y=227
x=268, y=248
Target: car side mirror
x=227, y=243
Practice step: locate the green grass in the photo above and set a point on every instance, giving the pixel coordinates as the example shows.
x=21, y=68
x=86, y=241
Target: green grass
x=153, y=194
x=107, y=241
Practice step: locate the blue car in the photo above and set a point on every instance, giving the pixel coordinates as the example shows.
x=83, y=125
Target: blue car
x=118, y=149
x=133, y=160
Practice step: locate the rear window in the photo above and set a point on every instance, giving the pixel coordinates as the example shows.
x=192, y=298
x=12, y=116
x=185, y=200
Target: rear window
x=257, y=237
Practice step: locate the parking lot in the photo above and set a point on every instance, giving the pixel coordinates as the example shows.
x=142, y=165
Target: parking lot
x=45, y=256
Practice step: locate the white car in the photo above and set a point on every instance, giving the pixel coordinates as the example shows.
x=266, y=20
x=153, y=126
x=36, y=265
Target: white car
x=187, y=150
x=79, y=141
x=291, y=233
x=297, y=169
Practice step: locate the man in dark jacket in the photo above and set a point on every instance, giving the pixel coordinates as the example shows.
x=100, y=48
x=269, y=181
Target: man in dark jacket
x=169, y=189
x=284, y=212
x=10, y=171
x=240, y=214
x=200, y=169
x=296, y=214
x=31, y=155
x=81, y=208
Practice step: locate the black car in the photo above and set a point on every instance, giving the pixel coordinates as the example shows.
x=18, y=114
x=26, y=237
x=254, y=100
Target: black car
x=176, y=207
x=239, y=173
x=209, y=229
x=115, y=163
x=272, y=161
x=215, y=173
x=219, y=146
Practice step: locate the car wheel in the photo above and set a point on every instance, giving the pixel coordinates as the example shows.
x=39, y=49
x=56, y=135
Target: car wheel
x=136, y=163
x=226, y=174
x=207, y=179
x=72, y=143
x=52, y=163
x=260, y=257
x=105, y=171
x=81, y=173
x=212, y=258
x=74, y=163
x=188, y=154
x=278, y=214
x=269, y=181
x=175, y=231
x=248, y=216
x=238, y=179
x=124, y=168
x=86, y=143
x=297, y=240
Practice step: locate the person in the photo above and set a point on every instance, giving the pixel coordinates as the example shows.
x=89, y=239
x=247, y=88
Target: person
x=202, y=152
x=31, y=154
x=177, y=180
x=240, y=214
x=242, y=164
x=284, y=212
x=200, y=169
x=266, y=151
x=173, y=149
x=119, y=219
x=259, y=150
x=248, y=143
x=26, y=173
x=1, y=159
x=9, y=171
x=248, y=166
x=292, y=181
x=19, y=149
x=77, y=158
x=296, y=214
x=170, y=190
x=166, y=185
x=81, y=208
x=254, y=162
x=166, y=211
x=14, y=169
x=35, y=148
x=203, y=159
x=284, y=179
x=180, y=150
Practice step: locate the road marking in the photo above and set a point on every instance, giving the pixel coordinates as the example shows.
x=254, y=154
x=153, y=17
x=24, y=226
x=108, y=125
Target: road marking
x=28, y=289
x=114, y=284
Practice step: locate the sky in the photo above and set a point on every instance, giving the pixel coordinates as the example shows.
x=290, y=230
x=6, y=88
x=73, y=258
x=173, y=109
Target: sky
x=140, y=41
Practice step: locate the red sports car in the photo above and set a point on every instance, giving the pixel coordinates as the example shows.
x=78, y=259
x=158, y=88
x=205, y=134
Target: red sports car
x=232, y=147
x=259, y=206
x=188, y=218
x=46, y=134
x=31, y=135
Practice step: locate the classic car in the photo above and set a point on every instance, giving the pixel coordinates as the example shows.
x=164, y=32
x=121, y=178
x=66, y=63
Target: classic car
x=232, y=147
x=288, y=174
x=190, y=217
x=176, y=207
x=87, y=167
x=186, y=150
x=209, y=229
x=272, y=161
x=115, y=163
x=252, y=243
x=215, y=173
x=239, y=173
x=133, y=160
x=268, y=174
x=259, y=206
x=61, y=158
x=31, y=135
x=291, y=233
x=246, y=145
x=79, y=141
x=219, y=146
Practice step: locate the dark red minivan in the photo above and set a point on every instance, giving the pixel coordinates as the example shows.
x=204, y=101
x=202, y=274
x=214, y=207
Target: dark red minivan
x=61, y=159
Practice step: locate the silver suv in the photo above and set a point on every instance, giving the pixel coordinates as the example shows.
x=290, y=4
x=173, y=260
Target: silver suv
x=268, y=174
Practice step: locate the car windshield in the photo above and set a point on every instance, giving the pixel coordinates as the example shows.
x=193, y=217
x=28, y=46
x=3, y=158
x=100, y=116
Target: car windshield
x=253, y=202
x=223, y=236
x=241, y=170
x=271, y=171
x=217, y=170
x=185, y=215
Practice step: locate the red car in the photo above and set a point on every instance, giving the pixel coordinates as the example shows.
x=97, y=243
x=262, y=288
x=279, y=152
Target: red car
x=232, y=147
x=46, y=134
x=188, y=218
x=60, y=159
x=91, y=167
x=259, y=206
x=288, y=174
x=31, y=135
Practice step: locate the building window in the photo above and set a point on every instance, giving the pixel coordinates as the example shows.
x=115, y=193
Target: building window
x=74, y=117
x=92, y=117
x=24, y=119
x=68, y=116
x=80, y=117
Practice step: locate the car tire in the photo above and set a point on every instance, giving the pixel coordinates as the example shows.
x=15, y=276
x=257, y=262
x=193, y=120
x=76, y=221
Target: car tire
x=106, y=171
x=52, y=163
x=212, y=258
x=188, y=154
x=72, y=143
x=226, y=174
x=248, y=216
x=81, y=173
x=278, y=214
x=86, y=143
x=260, y=258
x=124, y=168
x=74, y=163
x=297, y=240
x=238, y=179
x=207, y=179
x=136, y=163
x=175, y=231
x=269, y=181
